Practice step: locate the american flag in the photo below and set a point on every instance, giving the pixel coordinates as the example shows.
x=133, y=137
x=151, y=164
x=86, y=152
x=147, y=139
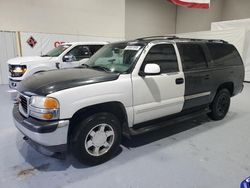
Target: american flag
x=192, y=3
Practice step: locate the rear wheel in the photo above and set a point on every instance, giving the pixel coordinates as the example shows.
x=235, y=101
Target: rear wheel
x=220, y=105
x=96, y=139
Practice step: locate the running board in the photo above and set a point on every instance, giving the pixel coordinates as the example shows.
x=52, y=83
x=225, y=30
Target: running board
x=165, y=123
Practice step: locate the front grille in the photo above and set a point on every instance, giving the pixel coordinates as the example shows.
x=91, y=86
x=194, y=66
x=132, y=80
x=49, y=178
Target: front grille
x=11, y=68
x=24, y=105
x=23, y=102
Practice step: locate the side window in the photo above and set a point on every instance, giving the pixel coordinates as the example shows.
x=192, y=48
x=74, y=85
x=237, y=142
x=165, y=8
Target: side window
x=94, y=48
x=79, y=52
x=164, y=55
x=224, y=54
x=192, y=56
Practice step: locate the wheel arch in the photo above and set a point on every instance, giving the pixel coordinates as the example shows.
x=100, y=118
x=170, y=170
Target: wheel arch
x=115, y=107
x=227, y=85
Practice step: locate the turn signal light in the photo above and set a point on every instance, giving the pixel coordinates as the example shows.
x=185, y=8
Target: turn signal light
x=47, y=116
x=51, y=103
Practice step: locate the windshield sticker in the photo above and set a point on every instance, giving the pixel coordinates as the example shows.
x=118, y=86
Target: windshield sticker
x=133, y=48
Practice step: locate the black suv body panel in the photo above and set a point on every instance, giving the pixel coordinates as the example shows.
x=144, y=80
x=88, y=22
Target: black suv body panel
x=48, y=82
x=203, y=81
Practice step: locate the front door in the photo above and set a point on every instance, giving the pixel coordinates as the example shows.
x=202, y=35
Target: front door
x=158, y=95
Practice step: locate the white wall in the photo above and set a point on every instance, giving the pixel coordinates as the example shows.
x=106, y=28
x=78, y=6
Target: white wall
x=84, y=17
x=149, y=17
x=189, y=20
x=7, y=50
x=235, y=9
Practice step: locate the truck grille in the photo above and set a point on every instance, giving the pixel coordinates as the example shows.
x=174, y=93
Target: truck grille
x=23, y=105
x=11, y=68
x=23, y=102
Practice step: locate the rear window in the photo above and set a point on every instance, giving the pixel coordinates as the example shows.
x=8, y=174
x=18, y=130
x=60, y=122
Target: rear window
x=192, y=56
x=224, y=54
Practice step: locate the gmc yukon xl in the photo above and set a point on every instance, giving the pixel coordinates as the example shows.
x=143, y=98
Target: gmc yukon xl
x=122, y=89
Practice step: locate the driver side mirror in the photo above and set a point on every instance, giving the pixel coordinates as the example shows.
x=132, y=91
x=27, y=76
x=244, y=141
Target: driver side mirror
x=69, y=58
x=151, y=69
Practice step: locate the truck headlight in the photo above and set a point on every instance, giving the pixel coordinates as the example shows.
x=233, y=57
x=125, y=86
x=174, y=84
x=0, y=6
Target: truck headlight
x=44, y=108
x=17, y=70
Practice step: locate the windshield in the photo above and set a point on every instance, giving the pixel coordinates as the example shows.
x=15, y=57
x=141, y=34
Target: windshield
x=57, y=51
x=117, y=57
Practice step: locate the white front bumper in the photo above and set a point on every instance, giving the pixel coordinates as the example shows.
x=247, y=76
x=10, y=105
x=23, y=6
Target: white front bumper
x=13, y=84
x=57, y=137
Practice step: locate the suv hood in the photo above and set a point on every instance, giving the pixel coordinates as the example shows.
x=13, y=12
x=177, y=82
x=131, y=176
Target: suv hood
x=45, y=83
x=28, y=60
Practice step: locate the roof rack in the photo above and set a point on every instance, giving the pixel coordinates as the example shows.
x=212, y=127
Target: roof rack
x=173, y=37
x=202, y=40
x=158, y=37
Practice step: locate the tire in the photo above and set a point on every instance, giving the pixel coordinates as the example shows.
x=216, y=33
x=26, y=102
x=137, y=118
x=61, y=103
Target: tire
x=220, y=105
x=96, y=139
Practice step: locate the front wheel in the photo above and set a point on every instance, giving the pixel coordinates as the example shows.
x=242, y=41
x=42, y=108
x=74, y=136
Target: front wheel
x=96, y=139
x=220, y=105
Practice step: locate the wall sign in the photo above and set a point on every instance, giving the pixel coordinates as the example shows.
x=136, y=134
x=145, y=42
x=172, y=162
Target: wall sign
x=31, y=42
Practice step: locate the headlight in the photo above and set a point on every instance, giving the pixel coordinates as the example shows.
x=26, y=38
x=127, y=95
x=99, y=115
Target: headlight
x=45, y=108
x=17, y=70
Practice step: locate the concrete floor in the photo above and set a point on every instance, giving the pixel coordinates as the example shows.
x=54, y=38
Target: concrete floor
x=197, y=153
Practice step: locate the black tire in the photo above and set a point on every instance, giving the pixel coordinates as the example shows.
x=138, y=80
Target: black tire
x=82, y=133
x=220, y=105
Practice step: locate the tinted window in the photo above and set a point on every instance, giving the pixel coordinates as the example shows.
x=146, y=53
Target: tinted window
x=164, y=55
x=192, y=56
x=57, y=51
x=116, y=57
x=224, y=54
x=79, y=52
x=94, y=48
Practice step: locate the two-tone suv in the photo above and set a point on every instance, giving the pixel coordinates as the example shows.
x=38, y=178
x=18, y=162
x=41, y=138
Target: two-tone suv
x=122, y=89
x=66, y=55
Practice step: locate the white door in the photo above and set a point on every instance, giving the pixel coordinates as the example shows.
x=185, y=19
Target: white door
x=75, y=57
x=158, y=95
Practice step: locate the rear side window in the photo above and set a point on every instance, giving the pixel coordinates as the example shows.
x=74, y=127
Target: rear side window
x=192, y=56
x=164, y=55
x=94, y=48
x=224, y=54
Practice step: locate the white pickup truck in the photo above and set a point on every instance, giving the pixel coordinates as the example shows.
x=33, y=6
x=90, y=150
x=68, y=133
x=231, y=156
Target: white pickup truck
x=64, y=56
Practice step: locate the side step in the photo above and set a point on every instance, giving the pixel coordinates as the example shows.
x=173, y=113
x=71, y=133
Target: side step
x=165, y=123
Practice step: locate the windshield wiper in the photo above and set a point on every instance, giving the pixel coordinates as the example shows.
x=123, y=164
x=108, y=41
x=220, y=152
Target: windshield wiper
x=84, y=65
x=100, y=68
x=45, y=55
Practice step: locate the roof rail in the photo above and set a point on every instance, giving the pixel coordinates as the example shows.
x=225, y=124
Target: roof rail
x=173, y=37
x=158, y=37
x=207, y=40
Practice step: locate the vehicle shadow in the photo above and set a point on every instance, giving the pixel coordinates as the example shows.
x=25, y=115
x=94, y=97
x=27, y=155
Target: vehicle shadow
x=130, y=147
x=165, y=132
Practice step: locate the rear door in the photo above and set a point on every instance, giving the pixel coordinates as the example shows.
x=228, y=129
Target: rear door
x=158, y=95
x=197, y=75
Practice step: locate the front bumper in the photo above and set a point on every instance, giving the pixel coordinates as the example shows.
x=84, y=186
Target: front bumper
x=13, y=83
x=50, y=134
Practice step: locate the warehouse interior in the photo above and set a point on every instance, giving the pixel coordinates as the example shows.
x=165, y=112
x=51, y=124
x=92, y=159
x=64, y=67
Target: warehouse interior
x=194, y=153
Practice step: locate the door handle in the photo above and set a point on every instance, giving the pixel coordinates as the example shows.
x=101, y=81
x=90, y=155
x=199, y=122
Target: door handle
x=179, y=81
x=207, y=77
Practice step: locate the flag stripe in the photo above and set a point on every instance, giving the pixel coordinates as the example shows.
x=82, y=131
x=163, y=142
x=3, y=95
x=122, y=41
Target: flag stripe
x=191, y=5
